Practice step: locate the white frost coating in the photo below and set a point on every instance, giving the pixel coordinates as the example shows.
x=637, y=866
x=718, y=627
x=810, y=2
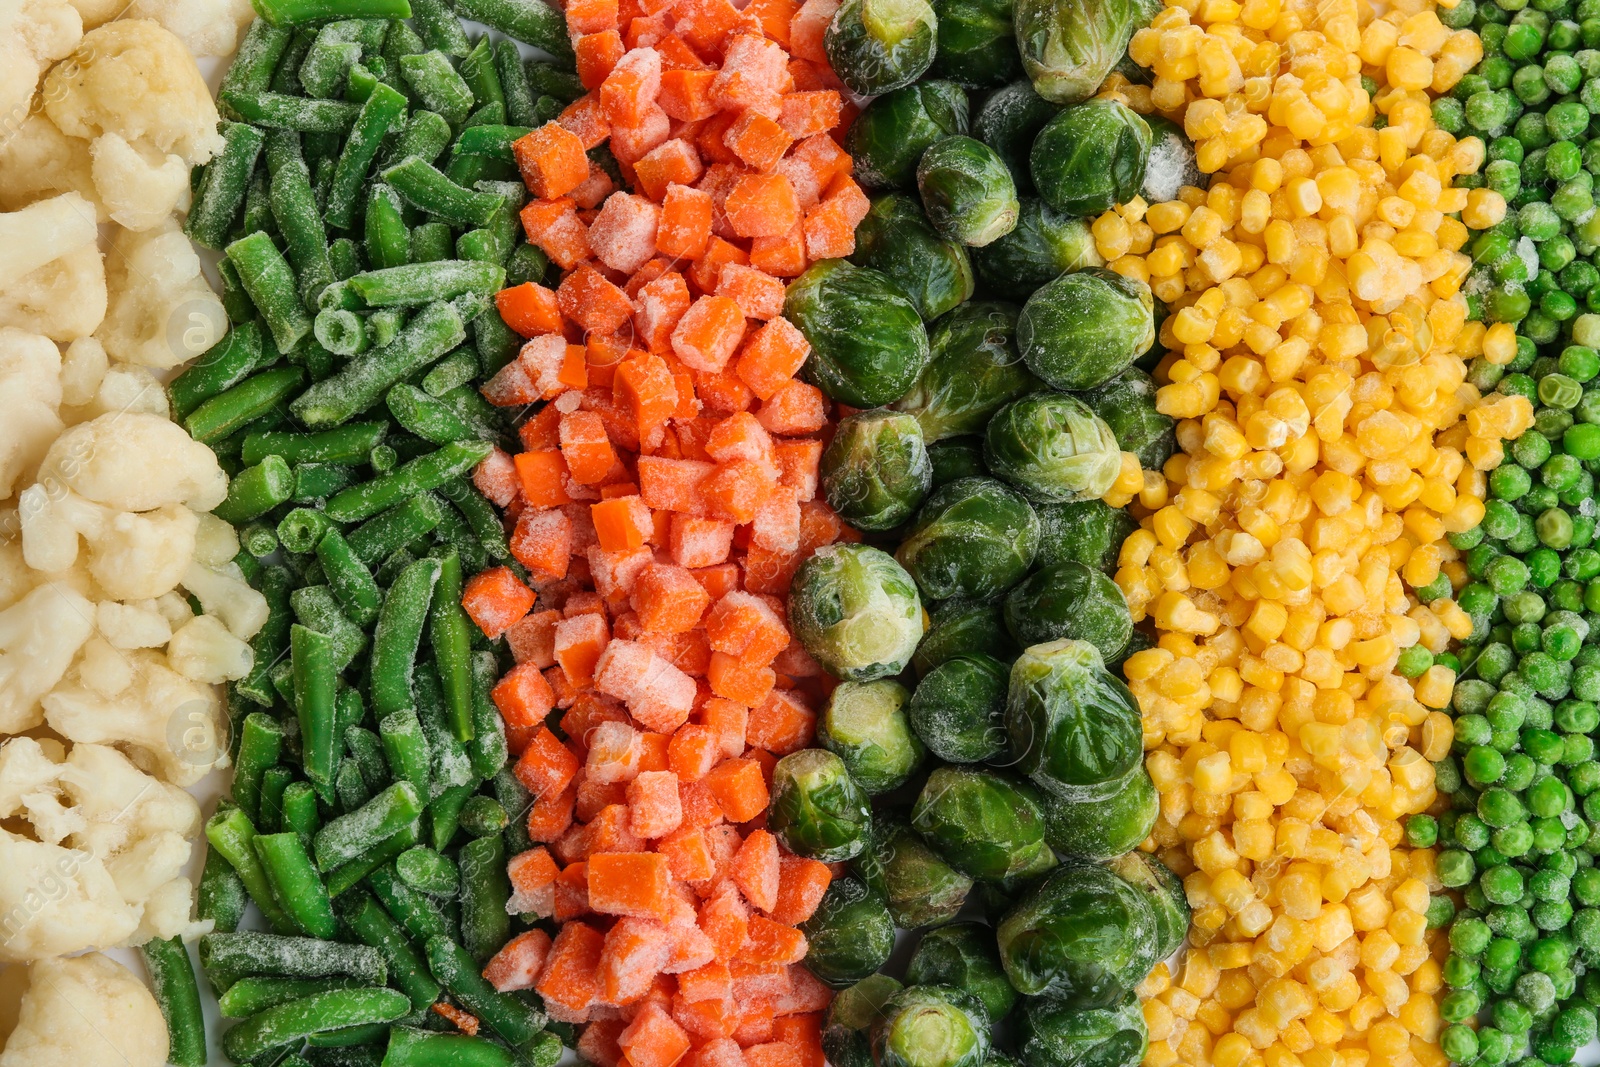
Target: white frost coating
x=136, y=463
x=88, y=1011
x=39, y=636
x=161, y=310
x=1170, y=160
x=30, y=385
x=1528, y=252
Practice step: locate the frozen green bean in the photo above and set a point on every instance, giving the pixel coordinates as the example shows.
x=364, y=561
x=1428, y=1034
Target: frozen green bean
x=425, y=472
x=388, y=241
x=313, y=656
x=485, y=889
x=425, y=187
x=437, y=84
x=297, y=12
x=349, y=443
x=397, y=636
x=503, y=1013
x=260, y=745
x=333, y=1010
x=250, y=995
x=223, y=365
x=277, y=111
x=382, y=112
x=223, y=185
x=232, y=834
x=173, y=983
x=348, y=836
x=424, y=283
x=255, y=491
x=296, y=884
x=435, y=330
x=240, y=405
x=270, y=281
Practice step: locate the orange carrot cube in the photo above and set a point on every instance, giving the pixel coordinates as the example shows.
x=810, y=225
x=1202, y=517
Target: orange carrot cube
x=747, y=627
x=797, y=408
x=693, y=751
x=585, y=118
x=783, y=256
x=677, y=55
x=775, y=1053
x=700, y=810
x=653, y=807
x=653, y=747
x=551, y=815
x=577, y=644
x=739, y=437
x=594, y=303
x=496, y=478
x=781, y=724
x=728, y=721
x=740, y=789
x=594, y=797
x=533, y=639
x=705, y=24
x=753, y=73
x=718, y=580
x=807, y=114
x=623, y=235
x=759, y=296
x=774, y=16
x=777, y=525
x=671, y=162
x=614, y=752
x=658, y=694
x=586, y=448
x=735, y=491
x=629, y=883
x=654, y=1040
x=766, y=571
x=709, y=333
x=496, y=599
x=546, y=767
x=725, y=918
x=686, y=94
x=631, y=86
x=553, y=226
x=755, y=869
x=533, y=877
x=590, y=16
x=572, y=892
x=621, y=523
x=762, y=205
x=530, y=309
x=542, y=540
x=697, y=542
x=807, y=28
x=685, y=222
x=660, y=307
x=758, y=141
x=802, y=884
x=552, y=161
x=598, y=1043
x=570, y=983
x=629, y=144
x=798, y=462
x=668, y=599
x=644, y=387
x=597, y=54
x=737, y=680
x=688, y=854
x=673, y=484
x=544, y=477
x=772, y=942
x=523, y=697
x=615, y=572
x=519, y=963
x=772, y=356
x=710, y=982
x=635, y=951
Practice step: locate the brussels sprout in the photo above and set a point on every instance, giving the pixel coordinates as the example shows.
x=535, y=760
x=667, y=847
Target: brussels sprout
x=967, y=191
x=921, y=888
x=856, y=611
x=1069, y=46
x=1069, y=600
x=850, y=935
x=964, y=955
x=888, y=138
x=817, y=809
x=1165, y=894
x=1084, y=328
x=865, y=725
x=1074, y=727
x=1083, y=935
x=973, y=538
x=896, y=240
x=977, y=45
x=1044, y=245
x=1127, y=403
x=1103, y=829
x=963, y=627
x=1091, y=157
x=973, y=370
x=957, y=457
x=931, y=1026
x=959, y=708
x=1172, y=164
x=867, y=341
x=876, y=471
x=1052, y=1034
x=1089, y=532
x=878, y=46
x=853, y=1012
x=1053, y=448
x=1008, y=122
x=986, y=824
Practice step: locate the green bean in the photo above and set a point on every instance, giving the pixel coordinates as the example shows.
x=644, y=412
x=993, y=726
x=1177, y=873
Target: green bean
x=302, y=528
x=353, y=1056
x=424, y=283
x=270, y=281
x=497, y=343
x=318, y=481
x=435, y=330
x=344, y=256
x=527, y=264
x=348, y=836
x=426, y=136
x=449, y=636
x=482, y=416
x=366, y=752
x=350, y=792
x=340, y=297
x=349, y=709
x=487, y=748
x=478, y=70
x=380, y=537
x=262, y=46
x=317, y=608
x=232, y=834
x=437, y=84
x=299, y=889
x=286, y=79
x=282, y=675
x=353, y=873
x=444, y=814
x=410, y=1047
x=224, y=364
x=557, y=80
x=419, y=914
x=297, y=12
x=338, y=47
x=388, y=240
x=529, y=21
x=274, y=781
x=318, y=1013
x=235, y=301
x=482, y=816
x=431, y=242
x=365, y=1035
x=397, y=635
x=272, y=640
x=173, y=983
x=516, y=800
x=451, y=767
x=381, y=113
x=250, y=995
x=385, y=325
x=362, y=80
x=230, y=957
x=514, y=83
x=259, y=540
x=428, y=872
x=349, y=443
x=485, y=889
x=427, y=189
x=492, y=141
x=241, y=404
x=456, y=970
x=277, y=111
x=221, y=896
x=349, y=578
x=341, y=332
x=223, y=184
x=300, y=810
x=457, y=368
x=425, y=472
x=255, y=491
x=454, y=535
x=294, y=206
x=426, y=416
x=313, y=656
x=373, y=926
x=405, y=749
x=480, y=514
x=260, y=745
x=257, y=210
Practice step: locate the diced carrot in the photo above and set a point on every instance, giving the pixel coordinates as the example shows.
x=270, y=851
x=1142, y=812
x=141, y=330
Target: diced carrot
x=585, y=118
x=519, y=963
x=598, y=1043
x=718, y=580
x=705, y=24
x=523, y=697
x=496, y=600
x=570, y=984
x=586, y=448
x=772, y=942
x=735, y=679
x=673, y=484
x=753, y=73
x=740, y=790
x=802, y=1032
x=533, y=639
x=807, y=28
x=771, y=572
x=798, y=462
x=546, y=767
x=801, y=886
x=723, y=393
x=685, y=222
x=758, y=984
x=775, y=16
x=551, y=815
x=572, y=892
x=661, y=305
x=700, y=808
x=697, y=542
x=653, y=804
x=755, y=870
x=688, y=854
x=806, y=993
x=629, y=144
x=806, y=114
x=594, y=189
x=747, y=627
x=542, y=432
x=496, y=478
x=725, y=919
x=762, y=205
x=757, y=140
x=710, y=1021
x=594, y=303
x=823, y=156
x=623, y=234
x=735, y=491
x=542, y=540
x=621, y=523
x=631, y=86
x=668, y=599
x=795, y=409
x=775, y=1053
x=777, y=525
x=781, y=724
x=577, y=644
x=615, y=572
x=644, y=387
x=709, y=982
x=693, y=751
x=830, y=226
x=671, y=162
x=551, y=160
x=634, y=953
x=677, y=55
x=728, y=721
x=608, y=832
x=544, y=476
x=709, y=333
x=613, y=753
x=594, y=797
x=783, y=256
x=652, y=1039
x=759, y=296
x=533, y=877
x=629, y=883
x=591, y=16
x=529, y=308
x=597, y=54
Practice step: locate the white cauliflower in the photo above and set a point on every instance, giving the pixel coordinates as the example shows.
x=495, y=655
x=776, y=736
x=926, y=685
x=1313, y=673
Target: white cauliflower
x=224, y=592
x=41, y=233
x=16, y=577
x=39, y=636
x=83, y=365
x=39, y=161
x=126, y=389
x=205, y=651
x=135, y=463
x=206, y=27
x=134, y=78
x=52, y=279
x=139, y=624
x=140, y=187
x=162, y=311
x=138, y=555
x=30, y=381
x=33, y=34
x=87, y=1011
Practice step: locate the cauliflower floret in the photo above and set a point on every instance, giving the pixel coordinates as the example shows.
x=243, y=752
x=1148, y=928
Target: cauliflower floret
x=224, y=592
x=83, y=1011
x=30, y=381
x=168, y=724
x=40, y=161
x=54, y=900
x=134, y=78
x=52, y=278
x=206, y=27
x=216, y=543
x=205, y=651
x=135, y=625
x=162, y=311
x=33, y=34
x=140, y=187
x=145, y=554
x=126, y=388
x=39, y=636
x=135, y=463
x=83, y=365
x=41, y=233
x=16, y=577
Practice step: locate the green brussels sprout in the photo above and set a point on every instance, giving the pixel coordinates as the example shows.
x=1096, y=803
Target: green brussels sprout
x=868, y=345
x=985, y=824
x=1069, y=46
x=850, y=935
x=973, y=538
x=1084, y=328
x=856, y=611
x=962, y=627
x=850, y=1017
x=1044, y=245
x=878, y=46
x=1089, y=532
x=931, y=1026
x=1074, y=728
x=1091, y=157
x=1127, y=403
x=1053, y=448
x=921, y=888
x=967, y=191
x=1052, y=1034
x=1172, y=163
x=1069, y=600
x=1082, y=935
x=876, y=471
x=889, y=136
x=1165, y=893
x=959, y=708
x=977, y=45
x=865, y=725
x=1008, y=122
x=896, y=240
x=817, y=809
x=964, y=955
x=974, y=369
x=1103, y=829
x=956, y=457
